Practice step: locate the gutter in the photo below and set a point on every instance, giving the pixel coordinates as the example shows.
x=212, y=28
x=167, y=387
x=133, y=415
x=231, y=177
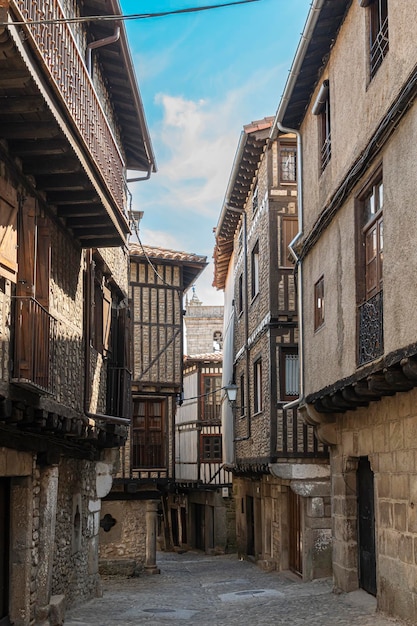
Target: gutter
x=277, y=126
x=100, y=43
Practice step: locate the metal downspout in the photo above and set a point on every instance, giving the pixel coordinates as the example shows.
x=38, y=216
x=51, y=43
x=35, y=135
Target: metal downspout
x=298, y=265
x=306, y=37
x=100, y=43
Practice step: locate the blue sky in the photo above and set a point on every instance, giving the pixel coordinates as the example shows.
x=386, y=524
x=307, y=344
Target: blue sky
x=202, y=76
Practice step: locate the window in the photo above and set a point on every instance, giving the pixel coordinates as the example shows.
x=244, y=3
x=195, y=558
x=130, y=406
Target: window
x=240, y=295
x=242, y=395
x=217, y=341
x=289, y=374
x=288, y=164
x=370, y=247
x=379, y=42
x=101, y=310
x=373, y=237
x=321, y=108
x=211, y=448
x=257, y=386
x=289, y=229
x=319, y=303
x=255, y=270
x=255, y=199
x=148, y=434
x=212, y=397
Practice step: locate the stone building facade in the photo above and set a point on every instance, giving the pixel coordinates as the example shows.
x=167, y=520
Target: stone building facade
x=352, y=99
x=63, y=301
x=280, y=471
x=203, y=327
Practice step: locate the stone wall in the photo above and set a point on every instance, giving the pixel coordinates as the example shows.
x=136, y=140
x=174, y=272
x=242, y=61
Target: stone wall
x=122, y=548
x=385, y=432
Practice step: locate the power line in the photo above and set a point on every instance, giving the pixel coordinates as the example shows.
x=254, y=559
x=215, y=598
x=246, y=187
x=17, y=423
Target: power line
x=120, y=18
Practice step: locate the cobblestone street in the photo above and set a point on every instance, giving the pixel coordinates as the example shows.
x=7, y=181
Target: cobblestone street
x=223, y=591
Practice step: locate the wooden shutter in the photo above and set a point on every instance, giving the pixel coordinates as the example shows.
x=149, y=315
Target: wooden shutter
x=8, y=239
x=26, y=249
x=43, y=262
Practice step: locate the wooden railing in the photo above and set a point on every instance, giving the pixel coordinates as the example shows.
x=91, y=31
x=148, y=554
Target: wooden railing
x=119, y=396
x=56, y=45
x=35, y=331
x=297, y=439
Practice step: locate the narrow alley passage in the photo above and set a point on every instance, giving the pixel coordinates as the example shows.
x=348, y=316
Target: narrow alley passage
x=223, y=591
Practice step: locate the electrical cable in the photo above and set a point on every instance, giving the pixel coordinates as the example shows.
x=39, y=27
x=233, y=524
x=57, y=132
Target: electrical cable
x=119, y=18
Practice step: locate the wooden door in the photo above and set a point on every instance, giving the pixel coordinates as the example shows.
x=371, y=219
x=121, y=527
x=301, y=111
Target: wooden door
x=366, y=526
x=295, y=533
x=4, y=550
x=250, y=527
x=200, y=526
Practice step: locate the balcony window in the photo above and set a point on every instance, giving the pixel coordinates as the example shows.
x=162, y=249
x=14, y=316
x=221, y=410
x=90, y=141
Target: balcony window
x=289, y=374
x=289, y=229
x=321, y=108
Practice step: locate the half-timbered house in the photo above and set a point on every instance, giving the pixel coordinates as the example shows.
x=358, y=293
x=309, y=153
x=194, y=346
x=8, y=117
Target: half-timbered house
x=351, y=97
x=159, y=279
x=281, y=473
x=202, y=508
x=71, y=123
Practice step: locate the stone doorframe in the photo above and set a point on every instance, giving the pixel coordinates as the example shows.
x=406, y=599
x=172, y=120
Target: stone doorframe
x=345, y=522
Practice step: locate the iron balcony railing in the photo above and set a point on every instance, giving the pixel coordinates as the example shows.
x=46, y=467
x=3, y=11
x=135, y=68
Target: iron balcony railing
x=295, y=438
x=58, y=49
x=370, y=329
x=34, y=349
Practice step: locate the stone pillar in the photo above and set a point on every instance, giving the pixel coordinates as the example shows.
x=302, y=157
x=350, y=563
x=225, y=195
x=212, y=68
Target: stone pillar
x=150, y=556
x=47, y=520
x=21, y=530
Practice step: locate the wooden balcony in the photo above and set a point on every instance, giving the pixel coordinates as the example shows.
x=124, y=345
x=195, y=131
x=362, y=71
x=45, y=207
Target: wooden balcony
x=54, y=123
x=295, y=438
x=35, y=331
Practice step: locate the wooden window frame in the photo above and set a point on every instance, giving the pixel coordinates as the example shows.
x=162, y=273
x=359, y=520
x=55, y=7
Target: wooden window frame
x=101, y=309
x=364, y=225
x=284, y=352
x=255, y=199
x=212, y=457
x=287, y=149
x=242, y=395
x=257, y=386
x=255, y=270
x=240, y=295
x=319, y=303
x=204, y=400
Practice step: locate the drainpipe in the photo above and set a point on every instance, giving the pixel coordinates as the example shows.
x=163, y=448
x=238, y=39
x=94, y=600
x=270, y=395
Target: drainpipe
x=306, y=37
x=146, y=177
x=100, y=43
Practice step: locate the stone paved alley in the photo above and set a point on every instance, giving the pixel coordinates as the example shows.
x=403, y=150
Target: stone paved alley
x=222, y=591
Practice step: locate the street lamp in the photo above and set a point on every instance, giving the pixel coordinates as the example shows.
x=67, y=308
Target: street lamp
x=231, y=390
